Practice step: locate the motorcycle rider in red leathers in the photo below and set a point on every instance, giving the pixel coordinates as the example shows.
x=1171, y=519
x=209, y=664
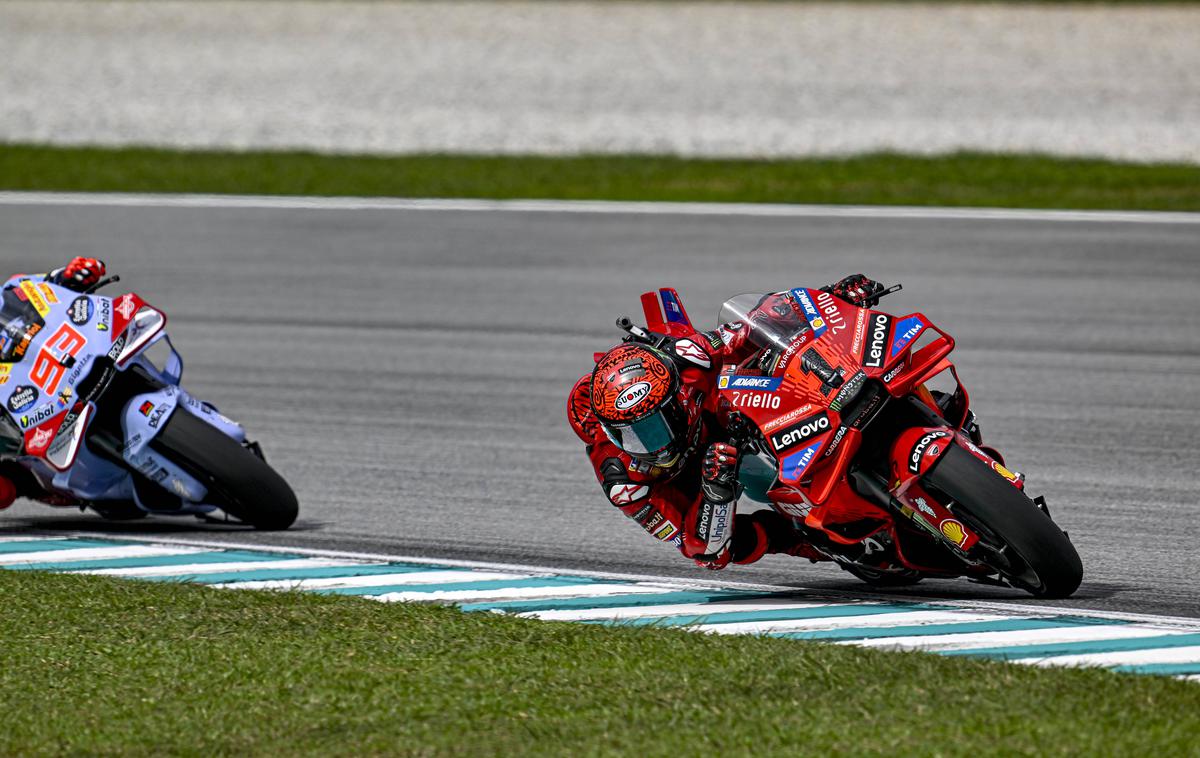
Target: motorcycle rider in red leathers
x=645, y=414
x=78, y=275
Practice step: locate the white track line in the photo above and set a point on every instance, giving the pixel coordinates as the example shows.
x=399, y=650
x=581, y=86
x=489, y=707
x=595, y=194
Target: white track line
x=23, y=538
x=772, y=210
x=373, y=580
x=521, y=593
x=197, y=569
x=91, y=554
x=1121, y=658
x=682, y=609
x=1014, y=638
x=904, y=618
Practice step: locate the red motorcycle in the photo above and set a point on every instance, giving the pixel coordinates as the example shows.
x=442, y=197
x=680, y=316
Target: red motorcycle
x=840, y=433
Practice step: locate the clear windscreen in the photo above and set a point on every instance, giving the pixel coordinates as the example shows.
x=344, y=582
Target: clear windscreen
x=19, y=322
x=773, y=320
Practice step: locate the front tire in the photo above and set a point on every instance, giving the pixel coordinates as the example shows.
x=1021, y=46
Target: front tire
x=242, y=484
x=1035, y=554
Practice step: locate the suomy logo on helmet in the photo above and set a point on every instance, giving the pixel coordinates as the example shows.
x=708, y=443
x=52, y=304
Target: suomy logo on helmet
x=632, y=395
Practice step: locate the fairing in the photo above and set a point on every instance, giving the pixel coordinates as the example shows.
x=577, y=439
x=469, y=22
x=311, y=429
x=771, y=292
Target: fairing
x=51, y=384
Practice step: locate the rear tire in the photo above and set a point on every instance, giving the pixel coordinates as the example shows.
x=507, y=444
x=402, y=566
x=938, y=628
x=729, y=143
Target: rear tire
x=242, y=484
x=1040, y=558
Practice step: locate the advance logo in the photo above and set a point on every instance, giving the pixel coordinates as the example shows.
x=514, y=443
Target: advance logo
x=755, y=383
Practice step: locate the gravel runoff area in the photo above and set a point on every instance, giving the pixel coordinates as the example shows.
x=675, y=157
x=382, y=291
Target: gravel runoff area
x=712, y=79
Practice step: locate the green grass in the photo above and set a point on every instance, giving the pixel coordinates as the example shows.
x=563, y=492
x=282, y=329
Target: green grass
x=965, y=179
x=92, y=665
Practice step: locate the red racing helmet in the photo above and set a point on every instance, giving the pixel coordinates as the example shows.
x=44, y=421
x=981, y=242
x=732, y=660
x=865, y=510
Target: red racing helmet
x=643, y=406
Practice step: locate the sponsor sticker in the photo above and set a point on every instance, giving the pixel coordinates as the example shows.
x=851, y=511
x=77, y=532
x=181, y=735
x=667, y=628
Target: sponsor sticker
x=800, y=432
x=159, y=412
x=906, y=331
x=5, y=370
x=81, y=310
x=740, y=399
x=105, y=319
x=832, y=314
x=126, y=306
x=835, y=442
x=794, y=466
x=914, y=459
x=22, y=398
x=626, y=494
x=954, y=531
x=37, y=416
x=667, y=532
x=754, y=383
x=39, y=441
x=848, y=391
x=811, y=314
x=1002, y=471
x=788, y=417
x=48, y=293
x=860, y=331
x=34, y=295
x=146, y=408
x=923, y=506
x=632, y=395
x=690, y=351
x=889, y=376
x=877, y=334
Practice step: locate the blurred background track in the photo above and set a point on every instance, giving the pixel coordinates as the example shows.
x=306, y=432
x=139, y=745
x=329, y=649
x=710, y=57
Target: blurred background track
x=711, y=79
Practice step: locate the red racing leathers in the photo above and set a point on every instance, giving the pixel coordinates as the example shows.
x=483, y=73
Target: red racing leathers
x=669, y=503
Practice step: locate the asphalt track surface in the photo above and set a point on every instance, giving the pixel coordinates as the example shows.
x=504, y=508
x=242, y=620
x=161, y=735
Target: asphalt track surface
x=406, y=370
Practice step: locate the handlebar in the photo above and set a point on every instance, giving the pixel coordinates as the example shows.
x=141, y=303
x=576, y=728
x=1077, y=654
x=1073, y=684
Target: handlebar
x=102, y=283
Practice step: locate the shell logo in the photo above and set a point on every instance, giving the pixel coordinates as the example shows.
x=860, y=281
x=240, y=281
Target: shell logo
x=954, y=531
x=1010, y=476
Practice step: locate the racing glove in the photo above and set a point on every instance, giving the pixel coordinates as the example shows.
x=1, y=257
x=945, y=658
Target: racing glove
x=79, y=274
x=714, y=516
x=856, y=289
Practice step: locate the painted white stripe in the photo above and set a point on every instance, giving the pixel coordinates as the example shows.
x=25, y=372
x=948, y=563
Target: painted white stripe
x=272, y=202
x=1026, y=637
x=25, y=538
x=520, y=593
x=1123, y=657
x=195, y=569
x=373, y=580
x=843, y=622
x=681, y=609
x=92, y=554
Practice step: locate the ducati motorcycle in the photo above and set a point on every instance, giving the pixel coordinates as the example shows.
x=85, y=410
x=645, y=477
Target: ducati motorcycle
x=839, y=432
x=99, y=423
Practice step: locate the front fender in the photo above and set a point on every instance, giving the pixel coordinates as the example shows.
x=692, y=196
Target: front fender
x=143, y=418
x=916, y=450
